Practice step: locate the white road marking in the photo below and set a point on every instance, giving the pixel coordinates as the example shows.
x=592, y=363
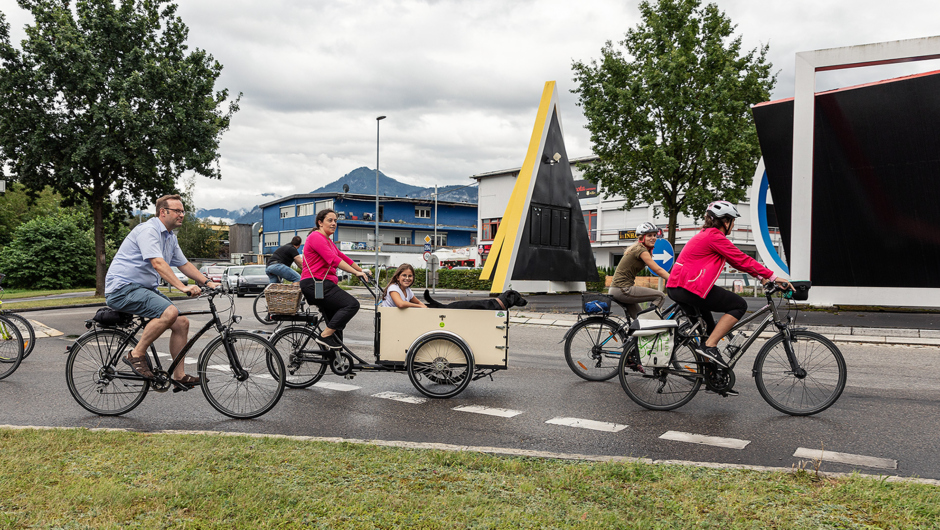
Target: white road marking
x=588, y=424
x=168, y=356
x=489, y=411
x=398, y=396
x=846, y=458
x=728, y=443
x=336, y=386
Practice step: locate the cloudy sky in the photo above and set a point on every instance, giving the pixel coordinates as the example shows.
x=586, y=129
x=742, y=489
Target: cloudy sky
x=459, y=80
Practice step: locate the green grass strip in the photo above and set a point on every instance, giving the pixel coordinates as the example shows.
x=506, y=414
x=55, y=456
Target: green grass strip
x=75, y=478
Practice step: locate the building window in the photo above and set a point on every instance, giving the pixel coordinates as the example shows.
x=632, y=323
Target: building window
x=422, y=212
x=304, y=209
x=287, y=211
x=590, y=221
x=441, y=240
x=324, y=205
x=270, y=240
x=490, y=226
x=402, y=240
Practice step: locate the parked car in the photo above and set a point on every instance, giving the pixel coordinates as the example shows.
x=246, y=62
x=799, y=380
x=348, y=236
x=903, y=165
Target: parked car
x=214, y=273
x=230, y=277
x=179, y=274
x=252, y=279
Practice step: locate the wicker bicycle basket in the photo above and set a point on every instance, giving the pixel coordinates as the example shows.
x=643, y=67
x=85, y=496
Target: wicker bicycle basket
x=283, y=298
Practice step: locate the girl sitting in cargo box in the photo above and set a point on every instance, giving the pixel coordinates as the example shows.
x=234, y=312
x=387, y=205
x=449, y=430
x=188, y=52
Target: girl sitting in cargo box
x=398, y=292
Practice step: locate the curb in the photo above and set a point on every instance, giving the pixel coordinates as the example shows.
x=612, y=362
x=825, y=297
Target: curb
x=498, y=451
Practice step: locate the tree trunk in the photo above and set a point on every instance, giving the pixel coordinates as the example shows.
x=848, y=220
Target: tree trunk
x=673, y=220
x=101, y=270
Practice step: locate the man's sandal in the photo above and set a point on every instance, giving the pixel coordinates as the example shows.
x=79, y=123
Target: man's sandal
x=139, y=365
x=186, y=382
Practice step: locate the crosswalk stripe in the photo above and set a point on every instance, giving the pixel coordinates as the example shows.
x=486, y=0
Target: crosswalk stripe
x=728, y=443
x=168, y=356
x=336, y=386
x=846, y=458
x=398, y=396
x=489, y=411
x=587, y=424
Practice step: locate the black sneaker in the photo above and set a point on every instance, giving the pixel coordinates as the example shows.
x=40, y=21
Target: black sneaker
x=330, y=342
x=711, y=352
x=730, y=393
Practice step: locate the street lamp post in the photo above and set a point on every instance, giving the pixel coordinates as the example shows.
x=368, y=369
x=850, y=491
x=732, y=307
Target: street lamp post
x=377, y=120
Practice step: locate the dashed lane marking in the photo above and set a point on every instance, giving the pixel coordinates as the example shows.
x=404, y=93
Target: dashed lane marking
x=846, y=458
x=398, y=396
x=168, y=356
x=728, y=443
x=588, y=424
x=336, y=386
x=489, y=411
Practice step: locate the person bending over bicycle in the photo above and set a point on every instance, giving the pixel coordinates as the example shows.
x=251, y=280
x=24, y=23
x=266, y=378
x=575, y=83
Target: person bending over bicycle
x=321, y=257
x=623, y=288
x=697, y=268
x=279, y=263
x=144, y=257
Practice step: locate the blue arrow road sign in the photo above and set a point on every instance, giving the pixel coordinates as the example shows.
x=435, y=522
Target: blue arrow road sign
x=663, y=254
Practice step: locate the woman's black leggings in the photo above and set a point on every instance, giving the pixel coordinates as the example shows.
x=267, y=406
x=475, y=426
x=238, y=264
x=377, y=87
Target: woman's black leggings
x=338, y=306
x=717, y=300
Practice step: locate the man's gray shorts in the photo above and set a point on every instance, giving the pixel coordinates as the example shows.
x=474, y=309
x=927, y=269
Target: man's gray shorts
x=139, y=300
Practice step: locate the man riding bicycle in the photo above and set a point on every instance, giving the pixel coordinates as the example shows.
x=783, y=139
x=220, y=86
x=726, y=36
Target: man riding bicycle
x=279, y=264
x=145, y=257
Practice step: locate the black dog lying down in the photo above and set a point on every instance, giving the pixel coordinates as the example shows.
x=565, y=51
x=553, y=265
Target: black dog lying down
x=505, y=300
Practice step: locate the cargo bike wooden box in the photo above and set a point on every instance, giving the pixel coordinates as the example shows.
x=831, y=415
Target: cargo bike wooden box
x=442, y=350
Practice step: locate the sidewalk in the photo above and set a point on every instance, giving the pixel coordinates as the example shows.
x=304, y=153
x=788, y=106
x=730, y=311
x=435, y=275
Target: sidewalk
x=856, y=334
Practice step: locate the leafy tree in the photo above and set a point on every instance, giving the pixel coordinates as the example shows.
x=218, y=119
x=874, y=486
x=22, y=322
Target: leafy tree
x=105, y=104
x=196, y=237
x=18, y=205
x=50, y=252
x=670, y=118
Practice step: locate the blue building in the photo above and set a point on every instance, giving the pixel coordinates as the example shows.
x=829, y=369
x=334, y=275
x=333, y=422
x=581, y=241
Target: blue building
x=403, y=224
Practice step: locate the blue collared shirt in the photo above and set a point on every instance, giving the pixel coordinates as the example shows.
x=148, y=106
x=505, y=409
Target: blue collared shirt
x=131, y=264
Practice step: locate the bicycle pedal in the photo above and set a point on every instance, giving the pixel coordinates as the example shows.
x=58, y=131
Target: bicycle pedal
x=349, y=376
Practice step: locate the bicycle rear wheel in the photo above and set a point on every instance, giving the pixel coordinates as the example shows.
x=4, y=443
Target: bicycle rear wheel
x=260, y=308
x=806, y=393
x=300, y=353
x=664, y=388
x=440, y=365
x=248, y=385
x=26, y=331
x=91, y=372
x=11, y=347
x=594, y=347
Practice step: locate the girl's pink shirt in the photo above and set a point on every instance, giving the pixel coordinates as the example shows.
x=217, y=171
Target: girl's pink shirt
x=703, y=258
x=321, y=258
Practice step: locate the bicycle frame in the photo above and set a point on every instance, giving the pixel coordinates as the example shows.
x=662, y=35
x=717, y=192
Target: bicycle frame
x=142, y=323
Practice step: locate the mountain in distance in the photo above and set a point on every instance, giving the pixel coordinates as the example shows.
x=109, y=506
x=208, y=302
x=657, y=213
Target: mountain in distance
x=360, y=180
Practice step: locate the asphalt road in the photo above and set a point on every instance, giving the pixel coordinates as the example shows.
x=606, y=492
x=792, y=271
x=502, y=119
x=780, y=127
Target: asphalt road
x=887, y=412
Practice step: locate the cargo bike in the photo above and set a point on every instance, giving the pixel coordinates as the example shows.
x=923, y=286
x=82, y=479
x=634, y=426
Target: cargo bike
x=442, y=350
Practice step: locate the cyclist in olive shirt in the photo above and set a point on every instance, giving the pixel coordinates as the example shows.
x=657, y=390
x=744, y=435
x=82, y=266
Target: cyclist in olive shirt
x=623, y=288
x=279, y=263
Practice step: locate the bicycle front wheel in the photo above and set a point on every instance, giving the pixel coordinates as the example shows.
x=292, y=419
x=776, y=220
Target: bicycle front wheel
x=260, y=308
x=91, y=372
x=247, y=384
x=664, y=388
x=819, y=382
x=26, y=331
x=303, y=358
x=594, y=347
x=11, y=347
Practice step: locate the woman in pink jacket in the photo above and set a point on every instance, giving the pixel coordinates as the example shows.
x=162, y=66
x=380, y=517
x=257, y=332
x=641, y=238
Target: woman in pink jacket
x=321, y=258
x=692, y=279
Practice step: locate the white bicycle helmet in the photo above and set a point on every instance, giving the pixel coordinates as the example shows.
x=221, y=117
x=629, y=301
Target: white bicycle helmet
x=722, y=209
x=648, y=228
